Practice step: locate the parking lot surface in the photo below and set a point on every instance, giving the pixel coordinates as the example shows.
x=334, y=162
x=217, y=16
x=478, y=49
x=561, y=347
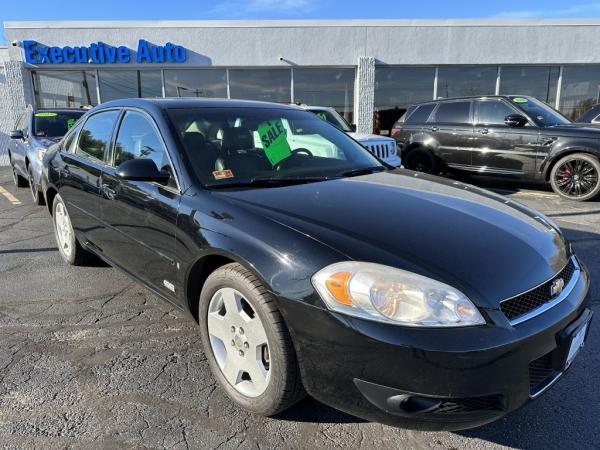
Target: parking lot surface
x=90, y=359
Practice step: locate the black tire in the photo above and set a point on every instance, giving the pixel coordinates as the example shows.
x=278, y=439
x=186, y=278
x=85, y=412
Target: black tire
x=79, y=256
x=576, y=177
x=36, y=195
x=18, y=180
x=421, y=160
x=285, y=387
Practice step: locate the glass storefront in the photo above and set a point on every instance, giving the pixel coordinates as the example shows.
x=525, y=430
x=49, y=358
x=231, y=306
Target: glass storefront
x=537, y=81
x=65, y=89
x=580, y=89
x=115, y=84
x=267, y=85
x=466, y=80
x=211, y=83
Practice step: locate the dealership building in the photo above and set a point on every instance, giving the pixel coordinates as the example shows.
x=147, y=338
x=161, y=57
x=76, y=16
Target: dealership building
x=369, y=70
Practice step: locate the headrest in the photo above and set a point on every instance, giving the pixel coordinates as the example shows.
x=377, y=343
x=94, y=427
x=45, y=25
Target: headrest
x=237, y=139
x=193, y=140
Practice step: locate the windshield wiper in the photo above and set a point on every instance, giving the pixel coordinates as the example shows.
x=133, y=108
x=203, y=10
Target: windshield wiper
x=362, y=171
x=267, y=182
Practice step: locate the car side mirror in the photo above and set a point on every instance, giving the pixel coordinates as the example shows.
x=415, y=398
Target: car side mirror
x=353, y=127
x=16, y=134
x=515, y=120
x=141, y=170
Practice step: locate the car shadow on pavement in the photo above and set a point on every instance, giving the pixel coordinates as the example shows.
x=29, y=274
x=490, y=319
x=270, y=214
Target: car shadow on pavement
x=310, y=410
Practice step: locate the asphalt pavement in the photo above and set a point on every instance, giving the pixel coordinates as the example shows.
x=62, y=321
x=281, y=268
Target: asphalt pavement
x=90, y=359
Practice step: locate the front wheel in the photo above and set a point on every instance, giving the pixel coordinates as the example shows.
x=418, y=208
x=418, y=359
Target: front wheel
x=18, y=180
x=246, y=342
x=69, y=247
x=576, y=177
x=421, y=160
x=36, y=195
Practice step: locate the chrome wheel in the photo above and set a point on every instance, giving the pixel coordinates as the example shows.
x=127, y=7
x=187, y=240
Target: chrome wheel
x=239, y=342
x=32, y=187
x=15, y=176
x=64, y=230
x=576, y=178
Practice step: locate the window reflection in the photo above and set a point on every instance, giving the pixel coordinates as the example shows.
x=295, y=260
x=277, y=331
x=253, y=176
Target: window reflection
x=269, y=85
x=64, y=89
x=396, y=88
x=326, y=87
x=580, y=89
x=210, y=83
x=115, y=84
x=466, y=80
x=536, y=81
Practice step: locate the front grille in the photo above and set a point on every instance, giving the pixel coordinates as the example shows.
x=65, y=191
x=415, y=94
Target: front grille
x=467, y=405
x=533, y=299
x=541, y=373
x=382, y=151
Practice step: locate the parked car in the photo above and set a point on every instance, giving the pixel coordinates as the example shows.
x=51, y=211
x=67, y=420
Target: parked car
x=381, y=146
x=507, y=135
x=292, y=266
x=34, y=132
x=592, y=115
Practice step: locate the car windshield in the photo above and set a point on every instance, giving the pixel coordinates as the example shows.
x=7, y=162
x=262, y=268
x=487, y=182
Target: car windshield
x=266, y=147
x=54, y=124
x=542, y=114
x=333, y=117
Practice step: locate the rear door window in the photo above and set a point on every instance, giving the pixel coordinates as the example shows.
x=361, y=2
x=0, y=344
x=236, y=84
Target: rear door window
x=453, y=112
x=95, y=135
x=420, y=114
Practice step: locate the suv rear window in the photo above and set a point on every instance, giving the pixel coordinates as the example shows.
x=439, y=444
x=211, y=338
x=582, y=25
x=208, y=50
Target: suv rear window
x=453, y=112
x=420, y=114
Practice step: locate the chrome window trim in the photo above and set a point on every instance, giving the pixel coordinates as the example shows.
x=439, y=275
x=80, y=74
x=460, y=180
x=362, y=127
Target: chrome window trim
x=546, y=306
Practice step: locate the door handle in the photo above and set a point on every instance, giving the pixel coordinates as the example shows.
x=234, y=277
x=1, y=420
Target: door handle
x=484, y=130
x=434, y=128
x=108, y=192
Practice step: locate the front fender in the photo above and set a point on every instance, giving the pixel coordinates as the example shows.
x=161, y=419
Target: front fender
x=563, y=147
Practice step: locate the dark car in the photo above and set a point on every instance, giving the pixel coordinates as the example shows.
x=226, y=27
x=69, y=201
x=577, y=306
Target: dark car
x=34, y=132
x=592, y=115
x=507, y=135
x=291, y=266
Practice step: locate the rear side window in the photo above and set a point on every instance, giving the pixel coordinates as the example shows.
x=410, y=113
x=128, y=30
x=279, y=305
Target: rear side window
x=420, y=114
x=453, y=112
x=95, y=134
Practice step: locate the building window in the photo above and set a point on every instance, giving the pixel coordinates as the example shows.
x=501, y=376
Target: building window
x=456, y=81
x=580, y=89
x=64, y=89
x=396, y=88
x=269, y=85
x=326, y=87
x=537, y=81
x=115, y=84
x=196, y=83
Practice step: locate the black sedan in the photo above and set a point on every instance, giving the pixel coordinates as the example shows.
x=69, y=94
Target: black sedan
x=393, y=295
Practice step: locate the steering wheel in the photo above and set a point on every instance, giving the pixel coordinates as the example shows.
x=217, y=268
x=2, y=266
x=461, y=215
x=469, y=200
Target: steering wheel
x=297, y=151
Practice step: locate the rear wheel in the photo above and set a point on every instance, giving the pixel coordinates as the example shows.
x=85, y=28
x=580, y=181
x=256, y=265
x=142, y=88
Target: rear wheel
x=421, y=160
x=69, y=247
x=576, y=177
x=35, y=192
x=246, y=342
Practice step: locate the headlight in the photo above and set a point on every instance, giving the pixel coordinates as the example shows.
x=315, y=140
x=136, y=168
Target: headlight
x=390, y=295
x=39, y=152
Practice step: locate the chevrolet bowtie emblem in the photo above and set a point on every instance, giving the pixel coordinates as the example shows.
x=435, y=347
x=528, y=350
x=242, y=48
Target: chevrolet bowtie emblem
x=557, y=287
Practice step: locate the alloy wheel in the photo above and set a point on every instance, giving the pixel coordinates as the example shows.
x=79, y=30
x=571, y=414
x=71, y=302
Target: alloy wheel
x=576, y=178
x=32, y=187
x=64, y=229
x=15, y=176
x=239, y=342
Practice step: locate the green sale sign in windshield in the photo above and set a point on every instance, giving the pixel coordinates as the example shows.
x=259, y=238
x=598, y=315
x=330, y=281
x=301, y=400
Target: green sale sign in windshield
x=274, y=139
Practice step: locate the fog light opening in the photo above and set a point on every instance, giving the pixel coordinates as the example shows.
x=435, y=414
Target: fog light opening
x=413, y=404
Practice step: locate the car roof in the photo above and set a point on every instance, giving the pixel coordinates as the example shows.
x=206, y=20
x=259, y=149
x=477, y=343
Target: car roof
x=167, y=103
x=470, y=97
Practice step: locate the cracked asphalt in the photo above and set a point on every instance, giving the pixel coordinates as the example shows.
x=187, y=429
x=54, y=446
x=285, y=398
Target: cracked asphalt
x=90, y=359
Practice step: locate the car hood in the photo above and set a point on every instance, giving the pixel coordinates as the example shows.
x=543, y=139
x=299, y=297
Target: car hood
x=45, y=142
x=585, y=130
x=486, y=245
x=363, y=137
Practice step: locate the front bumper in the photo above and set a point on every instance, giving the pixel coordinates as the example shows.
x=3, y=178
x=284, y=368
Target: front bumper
x=476, y=374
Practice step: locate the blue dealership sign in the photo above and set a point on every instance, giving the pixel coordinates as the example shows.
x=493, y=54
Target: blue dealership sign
x=101, y=53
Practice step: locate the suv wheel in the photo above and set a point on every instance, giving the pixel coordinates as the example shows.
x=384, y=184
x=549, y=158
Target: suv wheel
x=421, y=160
x=576, y=177
x=246, y=342
x=35, y=192
x=70, y=249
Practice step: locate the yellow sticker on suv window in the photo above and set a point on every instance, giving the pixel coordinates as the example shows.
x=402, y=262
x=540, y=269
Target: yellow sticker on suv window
x=520, y=100
x=274, y=140
x=45, y=114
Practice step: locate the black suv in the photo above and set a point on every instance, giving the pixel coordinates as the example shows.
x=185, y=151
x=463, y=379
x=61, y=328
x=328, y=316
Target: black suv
x=502, y=135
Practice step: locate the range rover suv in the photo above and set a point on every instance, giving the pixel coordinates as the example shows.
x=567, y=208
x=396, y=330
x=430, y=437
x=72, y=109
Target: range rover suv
x=507, y=135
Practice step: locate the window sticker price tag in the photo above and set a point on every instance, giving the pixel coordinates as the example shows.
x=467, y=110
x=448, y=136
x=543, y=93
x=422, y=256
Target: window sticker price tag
x=274, y=140
x=45, y=114
x=519, y=100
